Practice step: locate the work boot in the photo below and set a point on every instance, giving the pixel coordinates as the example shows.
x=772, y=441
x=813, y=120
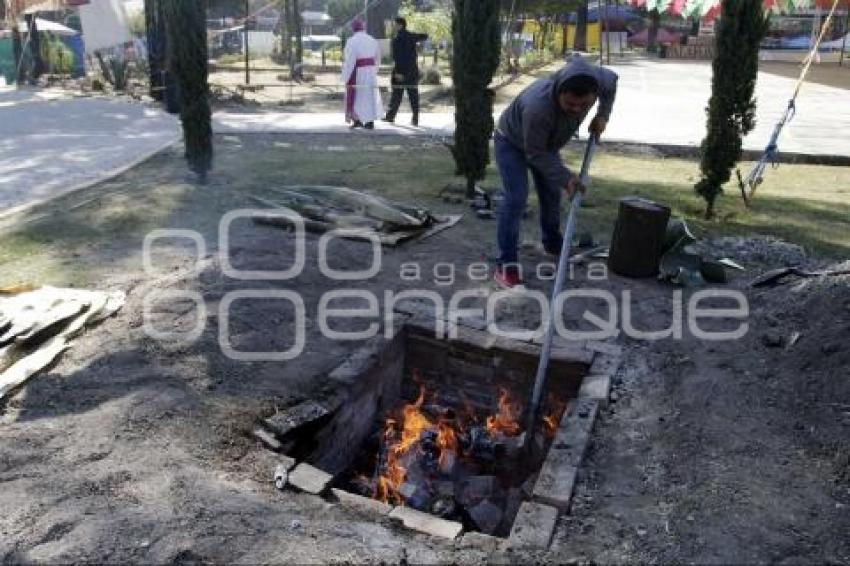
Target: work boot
x=388, y=119
x=415, y=120
x=356, y=124
x=370, y=125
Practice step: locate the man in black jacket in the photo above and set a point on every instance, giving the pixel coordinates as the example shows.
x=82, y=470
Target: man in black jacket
x=405, y=70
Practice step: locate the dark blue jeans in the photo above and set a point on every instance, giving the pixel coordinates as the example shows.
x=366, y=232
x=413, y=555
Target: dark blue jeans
x=514, y=170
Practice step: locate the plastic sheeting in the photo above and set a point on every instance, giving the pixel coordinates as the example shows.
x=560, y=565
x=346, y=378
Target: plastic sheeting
x=104, y=24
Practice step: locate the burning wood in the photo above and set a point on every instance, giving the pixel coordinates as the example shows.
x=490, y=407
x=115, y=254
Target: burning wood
x=460, y=465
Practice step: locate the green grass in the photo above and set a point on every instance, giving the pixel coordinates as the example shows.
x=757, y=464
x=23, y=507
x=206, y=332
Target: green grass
x=81, y=237
x=804, y=204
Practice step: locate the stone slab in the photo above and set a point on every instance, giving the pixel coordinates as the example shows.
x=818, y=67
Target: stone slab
x=309, y=478
x=605, y=363
x=289, y=420
x=557, y=477
x=596, y=387
x=534, y=526
x=427, y=524
x=605, y=348
x=480, y=541
x=267, y=438
x=360, y=503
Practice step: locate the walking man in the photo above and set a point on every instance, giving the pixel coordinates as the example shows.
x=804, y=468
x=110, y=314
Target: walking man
x=360, y=75
x=405, y=70
x=529, y=136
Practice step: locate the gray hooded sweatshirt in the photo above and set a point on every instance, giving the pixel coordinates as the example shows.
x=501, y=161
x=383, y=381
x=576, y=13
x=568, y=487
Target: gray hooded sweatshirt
x=535, y=123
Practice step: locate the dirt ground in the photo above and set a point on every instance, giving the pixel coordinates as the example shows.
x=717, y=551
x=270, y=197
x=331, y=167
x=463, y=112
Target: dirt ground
x=136, y=449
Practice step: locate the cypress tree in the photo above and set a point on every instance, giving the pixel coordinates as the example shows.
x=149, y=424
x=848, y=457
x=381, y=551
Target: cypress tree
x=296, y=29
x=732, y=107
x=186, y=22
x=475, y=58
x=155, y=32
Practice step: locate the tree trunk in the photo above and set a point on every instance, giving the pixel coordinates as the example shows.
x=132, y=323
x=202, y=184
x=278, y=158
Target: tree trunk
x=652, y=39
x=296, y=29
x=35, y=48
x=580, y=43
x=638, y=238
x=155, y=32
x=286, y=33
x=187, y=62
x=18, y=50
x=476, y=45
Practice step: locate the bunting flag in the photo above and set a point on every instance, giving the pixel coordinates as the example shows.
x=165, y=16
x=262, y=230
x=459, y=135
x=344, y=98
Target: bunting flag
x=710, y=9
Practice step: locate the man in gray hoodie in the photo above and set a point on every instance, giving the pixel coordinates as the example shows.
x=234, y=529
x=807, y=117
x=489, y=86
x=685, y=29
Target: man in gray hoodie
x=529, y=136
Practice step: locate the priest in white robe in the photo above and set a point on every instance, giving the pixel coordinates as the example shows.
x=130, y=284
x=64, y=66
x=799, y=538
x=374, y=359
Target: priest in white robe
x=360, y=75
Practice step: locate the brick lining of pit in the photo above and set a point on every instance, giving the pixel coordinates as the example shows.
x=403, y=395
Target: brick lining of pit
x=373, y=381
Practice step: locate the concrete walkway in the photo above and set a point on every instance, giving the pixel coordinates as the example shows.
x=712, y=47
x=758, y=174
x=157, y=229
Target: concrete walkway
x=658, y=103
x=52, y=143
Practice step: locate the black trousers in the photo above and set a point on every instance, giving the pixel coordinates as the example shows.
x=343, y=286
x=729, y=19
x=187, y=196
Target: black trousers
x=408, y=83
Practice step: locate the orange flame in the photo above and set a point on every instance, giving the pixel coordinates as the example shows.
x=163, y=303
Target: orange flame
x=553, y=419
x=550, y=426
x=413, y=423
x=506, y=421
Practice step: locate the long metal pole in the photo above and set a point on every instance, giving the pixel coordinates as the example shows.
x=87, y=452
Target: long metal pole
x=546, y=347
x=245, y=32
x=844, y=41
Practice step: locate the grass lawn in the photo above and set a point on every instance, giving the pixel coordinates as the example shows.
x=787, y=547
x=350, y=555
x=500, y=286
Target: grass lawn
x=78, y=238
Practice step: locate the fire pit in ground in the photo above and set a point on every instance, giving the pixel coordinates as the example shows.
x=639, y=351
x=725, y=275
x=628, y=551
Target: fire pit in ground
x=436, y=425
x=468, y=463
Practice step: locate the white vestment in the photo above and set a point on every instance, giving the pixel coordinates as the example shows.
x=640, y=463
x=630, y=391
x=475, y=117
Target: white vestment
x=366, y=105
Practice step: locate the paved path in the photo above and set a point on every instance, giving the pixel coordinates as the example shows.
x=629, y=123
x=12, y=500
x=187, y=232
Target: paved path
x=51, y=143
x=658, y=103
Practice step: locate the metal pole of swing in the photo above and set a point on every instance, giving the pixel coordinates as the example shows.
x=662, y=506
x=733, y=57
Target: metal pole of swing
x=245, y=35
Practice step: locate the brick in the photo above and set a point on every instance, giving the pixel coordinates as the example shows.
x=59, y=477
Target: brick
x=427, y=524
x=534, y=526
x=289, y=420
x=596, y=387
x=574, y=354
x=267, y=438
x=475, y=322
x=559, y=341
x=477, y=338
x=558, y=475
x=479, y=541
x=516, y=346
x=605, y=348
x=605, y=363
x=576, y=425
x=362, y=504
x=556, y=480
x=310, y=479
x=356, y=365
